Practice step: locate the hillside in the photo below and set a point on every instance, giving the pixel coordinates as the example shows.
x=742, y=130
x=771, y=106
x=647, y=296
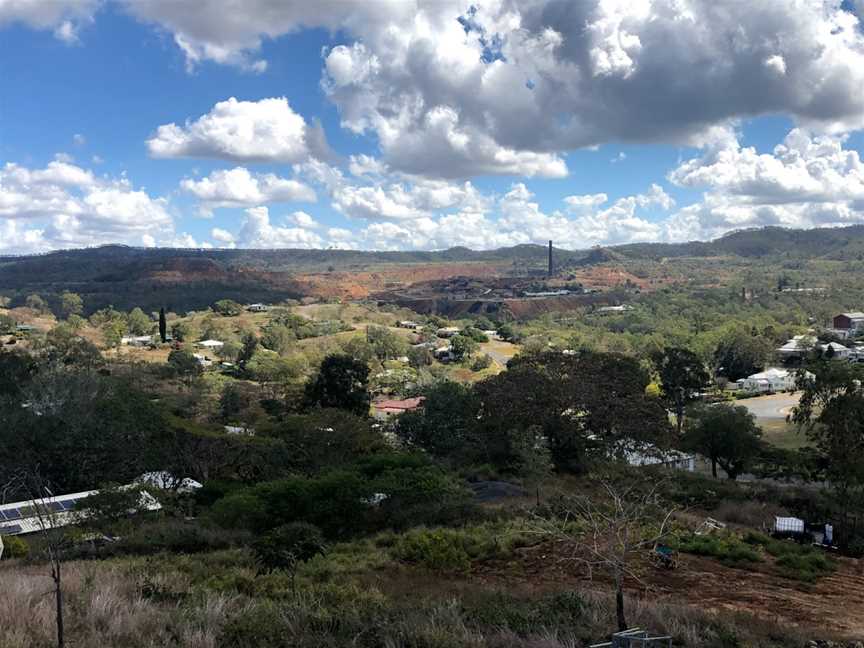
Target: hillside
x=125, y=276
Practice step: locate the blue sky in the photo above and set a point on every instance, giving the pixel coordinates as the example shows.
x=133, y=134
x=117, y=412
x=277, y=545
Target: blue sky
x=605, y=127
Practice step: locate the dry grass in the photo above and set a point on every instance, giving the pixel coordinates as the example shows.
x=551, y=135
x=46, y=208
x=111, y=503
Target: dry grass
x=106, y=606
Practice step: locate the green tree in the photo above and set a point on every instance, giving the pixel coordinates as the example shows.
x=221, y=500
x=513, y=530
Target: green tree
x=445, y=425
x=71, y=304
x=247, y=350
x=7, y=324
x=462, y=346
x=139, y=323
x=682, y=376
x=384, y=343
x=227, y=307
x=741, y=354
x=726, y=434
x=420, y=357
x=286, y=546
x=831, y=411
x=278, y=338
x=112, y=332
x=184, y=363
x=163, y=326
x=181, y=331
x=342, y=382
x=36, y=303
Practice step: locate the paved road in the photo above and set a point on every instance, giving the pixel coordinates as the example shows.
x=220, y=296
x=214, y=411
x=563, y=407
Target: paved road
x=776, y=406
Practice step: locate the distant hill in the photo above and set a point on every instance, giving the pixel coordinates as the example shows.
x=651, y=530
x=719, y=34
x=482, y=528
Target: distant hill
x=151, y=277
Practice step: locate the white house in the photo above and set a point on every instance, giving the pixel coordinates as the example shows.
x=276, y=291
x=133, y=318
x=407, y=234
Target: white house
x=31, y=516
x=800, y=345
x=211, y=344
x=136, y=340
x=257, y=308
x=408, y=324
x=615, y=309
x=202, y=359
x=770, y=380
x=447, y=331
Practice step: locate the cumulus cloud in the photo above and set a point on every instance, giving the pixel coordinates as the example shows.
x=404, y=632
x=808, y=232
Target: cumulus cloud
x=457, y=88
x=806, y=181
x=257, y=232
x=64, y=17
x=63, y=205
x=242, y=131
x=239, y=188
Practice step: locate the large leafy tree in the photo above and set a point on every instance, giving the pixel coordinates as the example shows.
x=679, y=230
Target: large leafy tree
x=740, y=354
x=79, y=429
x=580, y=402
x=445, y=425
x=342, y=382
x=682, y=376
x=726, y=434
x=831, y=411
x=71, y=304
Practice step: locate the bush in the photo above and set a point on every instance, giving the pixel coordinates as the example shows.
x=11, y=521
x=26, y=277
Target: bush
x=729, y=549
x=14, y=547
x=436, y=549
x=289, y=544
x=260, y=625
x=482, y=362
x=178, y=536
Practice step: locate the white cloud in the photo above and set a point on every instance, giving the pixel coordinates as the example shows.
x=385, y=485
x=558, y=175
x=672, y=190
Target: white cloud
x=242, y=131
x=239, y=188
x=78, y=139
x=302, y=219
x=64, y=205
x=257, y=232
x=586, y=201
x=64, y=17
x=807, y=181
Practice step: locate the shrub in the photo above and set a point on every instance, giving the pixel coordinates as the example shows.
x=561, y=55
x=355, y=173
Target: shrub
x=436, y=549
x=481, y=362
x=729, y=549
x=289, y=544
x=261, y=625
x=14, y=547
x=177, y=536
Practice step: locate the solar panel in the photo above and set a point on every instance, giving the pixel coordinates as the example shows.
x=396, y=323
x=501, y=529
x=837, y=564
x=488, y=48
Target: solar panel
x=55, y=506
x=12, y=529
x=10, y=514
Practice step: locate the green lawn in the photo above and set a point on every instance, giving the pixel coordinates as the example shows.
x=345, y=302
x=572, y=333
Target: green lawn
x=784, y=435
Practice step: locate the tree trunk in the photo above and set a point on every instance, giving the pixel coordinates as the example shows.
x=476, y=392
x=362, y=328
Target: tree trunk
x=58, y=593
x=714, y=468
x=619, y=607
x=679, y=417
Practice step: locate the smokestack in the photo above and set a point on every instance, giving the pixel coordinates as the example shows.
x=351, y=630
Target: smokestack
x=550, y=258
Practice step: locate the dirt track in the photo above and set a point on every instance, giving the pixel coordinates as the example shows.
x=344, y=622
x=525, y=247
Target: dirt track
x=834, y=604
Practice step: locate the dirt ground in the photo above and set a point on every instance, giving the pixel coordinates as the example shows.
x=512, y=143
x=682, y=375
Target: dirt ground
x=834, y=604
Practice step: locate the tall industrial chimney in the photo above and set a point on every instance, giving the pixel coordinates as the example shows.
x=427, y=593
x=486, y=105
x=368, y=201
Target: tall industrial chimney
x=550, y=258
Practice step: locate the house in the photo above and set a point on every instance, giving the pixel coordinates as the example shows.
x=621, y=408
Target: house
x=136, y=340
x=444, y=354
x=852, y=323
x=257, y=308
x=652, y=456
x=384, y=409
x=239, y=429
x=408, y=324
x=614, y=309
x=211, y=344
x=801, y=345
x=770, y=380
x=164, y=480
x=25, y=328
x=202, y=359
x=447, y=331
x=32, y=516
